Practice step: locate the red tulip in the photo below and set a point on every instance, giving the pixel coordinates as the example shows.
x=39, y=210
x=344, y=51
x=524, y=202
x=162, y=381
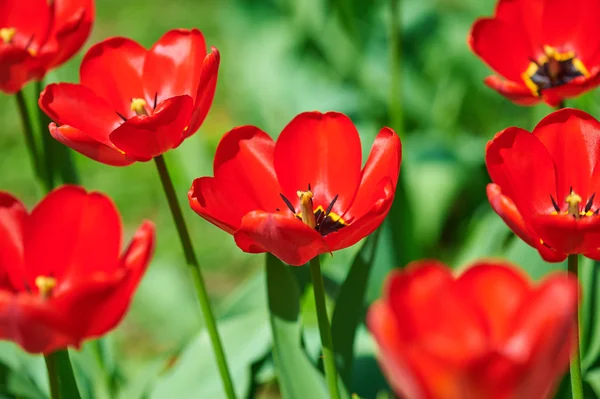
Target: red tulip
x=134, y=104
x=62, y=280
x=488, y=334
x=545, y=183
x=39, y=35
x=544, y=50
x=303, y=195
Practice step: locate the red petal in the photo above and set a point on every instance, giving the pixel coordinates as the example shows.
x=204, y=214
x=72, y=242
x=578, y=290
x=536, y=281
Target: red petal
x=503, y=46
x=383, y=163
x=79, y=107
x=555, y=95
x=566, y=234
x=572, y=138
x=89, y=147
x=73, y=21
x=32, y=324
x=286, y=237
x=561, y=22
x=543, y=335
x=12, y=219
x=113, y=70
x=515, y=92
x=145, y=137
x=59, y=243
x=206, y=89
x=382, y=197
x=322, y=150
x=174, y=63
x=497, y=291
x=96, y=305
x=514, y=158
x=29, y=24
x=505, y=208
x=244, y=180
x=17, y=67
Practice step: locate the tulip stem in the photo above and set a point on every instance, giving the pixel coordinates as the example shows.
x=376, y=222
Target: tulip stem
x=61, y=376
x=52, y=376
x=199, y=283
x=324, y=328
x=30, y=140
x=576, y=381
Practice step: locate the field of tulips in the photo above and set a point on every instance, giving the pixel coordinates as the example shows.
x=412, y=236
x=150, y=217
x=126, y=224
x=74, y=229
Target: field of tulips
x=311, y=199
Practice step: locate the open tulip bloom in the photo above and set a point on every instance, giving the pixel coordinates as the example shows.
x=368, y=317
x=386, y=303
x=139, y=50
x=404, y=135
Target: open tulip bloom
x=303, y=195
x=545, y=183
x=38, y=35
x=544, y=50
x=134, y=104
x=62, y=280
x=488, y=334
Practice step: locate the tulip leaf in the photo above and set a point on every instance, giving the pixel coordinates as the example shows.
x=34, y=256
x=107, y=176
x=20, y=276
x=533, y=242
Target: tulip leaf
x=350, y=307
x=298, y=377
x=590, y=331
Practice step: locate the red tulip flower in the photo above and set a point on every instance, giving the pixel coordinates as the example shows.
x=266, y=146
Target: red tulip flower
x=303, y=195
x=543, y=50
x=545, y=183
x=62, y=280
x=39, y=35
x=488, y=334
x=134, y=104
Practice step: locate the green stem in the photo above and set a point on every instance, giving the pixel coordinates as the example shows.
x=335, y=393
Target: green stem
x=30, y=140
x=324, y=328
x=396, y=112
x=192, y=261
x=52, y=376
x=576, y=381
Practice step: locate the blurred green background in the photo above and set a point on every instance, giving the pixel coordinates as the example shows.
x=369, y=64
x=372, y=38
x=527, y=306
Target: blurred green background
x=280, y=58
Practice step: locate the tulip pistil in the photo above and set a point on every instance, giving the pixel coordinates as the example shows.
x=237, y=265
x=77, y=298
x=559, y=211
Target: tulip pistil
x=323, y=220
x=573, y=201
x=138, y=105
x=7, y=34
x=45, y=286
x=553, y=69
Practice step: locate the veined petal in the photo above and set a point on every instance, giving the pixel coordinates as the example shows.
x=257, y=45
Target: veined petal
x=13, y=217
x=515, y=92
x=207, y=85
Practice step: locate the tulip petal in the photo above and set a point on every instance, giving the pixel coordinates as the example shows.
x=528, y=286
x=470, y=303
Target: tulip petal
x=79, y=107
x=59, y=244
x=145, y=137
x=17, y=67
x=84, y=144
x=322, y=150
x=206, y=90
x=13, y=216
x=32, y=324
x=567, y=234
x=515, y=92
x=18, y=14
x=113, y=70
x=286, y=237
x=174, y=63
x=555, y=95
x=505, y=208
x=384, y=162
x=515, y=158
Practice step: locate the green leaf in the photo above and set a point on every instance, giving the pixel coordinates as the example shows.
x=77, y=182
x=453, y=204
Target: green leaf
x=589, y=275
x=349, y=311
x=529, y=259
x=298, y=378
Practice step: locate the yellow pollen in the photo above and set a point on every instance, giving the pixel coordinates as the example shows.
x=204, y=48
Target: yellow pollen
x=573, y=200
x=138, y=105
x=7, y=34
x=45, y=285
x=306, y=206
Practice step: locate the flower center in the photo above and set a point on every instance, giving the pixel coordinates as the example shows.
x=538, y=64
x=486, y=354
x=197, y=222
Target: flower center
x=138, y=105
x=573, y=201
x=45, y=286
x=7, y=34
x=323, y=220
x=553, y=69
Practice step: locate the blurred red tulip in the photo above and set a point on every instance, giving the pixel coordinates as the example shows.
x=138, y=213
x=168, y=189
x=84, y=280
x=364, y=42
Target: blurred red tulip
x=62, y=280
x=134, y=104
x=544, y=50
x=488, y=334
x=38, y=35
x=545, y=183
x=303, y=195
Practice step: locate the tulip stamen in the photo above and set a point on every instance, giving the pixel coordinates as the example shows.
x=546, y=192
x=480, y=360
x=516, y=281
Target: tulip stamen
x=7, y=35
x=155, y=99
x=589, y=204
x=323, y=220
x=138, y=105
x=554, y=204
x=122, y=117
x=553, y=69
x=45, y=285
